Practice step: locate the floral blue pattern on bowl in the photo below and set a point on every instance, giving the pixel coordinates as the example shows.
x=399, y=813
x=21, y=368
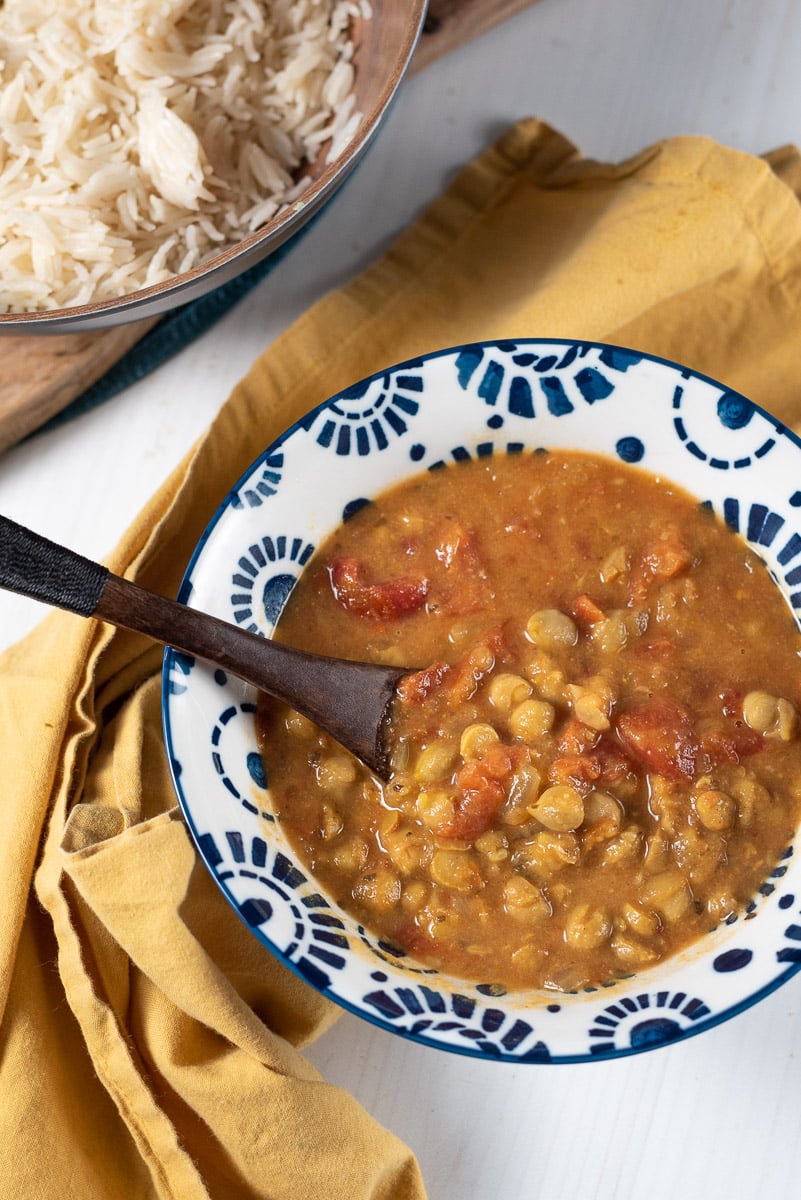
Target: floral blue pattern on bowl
x=473, y=400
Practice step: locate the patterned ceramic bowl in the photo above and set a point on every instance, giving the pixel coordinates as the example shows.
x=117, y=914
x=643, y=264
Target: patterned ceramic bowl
x=472, y=400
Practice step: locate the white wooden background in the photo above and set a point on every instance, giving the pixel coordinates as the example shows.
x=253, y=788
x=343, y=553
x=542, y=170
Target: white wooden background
x=718, y=1116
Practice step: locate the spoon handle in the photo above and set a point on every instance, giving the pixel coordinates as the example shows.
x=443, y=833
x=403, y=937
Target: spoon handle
x=349, y=699
x=45, y=571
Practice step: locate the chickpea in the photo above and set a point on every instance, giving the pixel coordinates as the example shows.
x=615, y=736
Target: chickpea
x=668, y=805
x=481, y=660
x=591, y=706
x=716, y=810
x=642, y=921
x=350, y=855
x=515, y=814
x=522, y=794
x=610, y=634
x=619, y=626
x=547, y=853
x=669, y=894
x=759, y=711
x=633, y=954
x=559, y=808
x=434, y=762
x=455, y=869
x=657, y=853
x=698, y=853
x=627, y=845
x=494, y=846
x=475, y=739
x=587, y=928
x=552, y=629
x=751, y=796
x=388, y=821
x=402, y=788
x=301, y=726
x=436, y=920
x=336, y=772
x=379, y=887
x=527, y=957
x=410, y=848
x=331, y=822
x=532, y=720
x=434, y=807
x=524, y=900
x=546, y=675
x=506, y=690
x=721, y=904
x=414, y=894
x=603, y=816
x=525, y=786
x=772, y=715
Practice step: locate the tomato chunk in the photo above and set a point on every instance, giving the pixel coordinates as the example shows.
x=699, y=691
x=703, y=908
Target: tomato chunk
x=574, y=768
x=383, y=601
x=588, y=757
x=481, y=789
x=586, y=611
x=576, y=738
x=414, y=688
x=667, y=556
x=459, y=547
x=660, y=734
x=465, y=588
x=662, y=558
x=471, y=669
x=613, y=763
x=731, y=745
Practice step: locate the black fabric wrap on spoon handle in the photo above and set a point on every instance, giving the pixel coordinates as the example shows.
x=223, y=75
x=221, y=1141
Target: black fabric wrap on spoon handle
x=35, y=567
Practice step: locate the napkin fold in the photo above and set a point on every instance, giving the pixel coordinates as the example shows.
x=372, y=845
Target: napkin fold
x=149, y=1046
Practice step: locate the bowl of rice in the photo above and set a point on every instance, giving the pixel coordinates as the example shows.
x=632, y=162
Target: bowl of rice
x=152, y=151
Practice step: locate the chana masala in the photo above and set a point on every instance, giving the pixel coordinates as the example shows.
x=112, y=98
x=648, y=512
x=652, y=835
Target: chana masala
x=598, y=760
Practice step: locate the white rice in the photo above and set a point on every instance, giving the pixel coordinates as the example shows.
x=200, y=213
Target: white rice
x=137, y=137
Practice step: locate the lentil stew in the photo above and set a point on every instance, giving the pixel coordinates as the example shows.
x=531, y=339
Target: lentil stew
x=598, y=761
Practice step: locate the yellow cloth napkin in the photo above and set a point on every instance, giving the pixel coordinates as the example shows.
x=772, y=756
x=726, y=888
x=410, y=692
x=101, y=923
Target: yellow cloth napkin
x=149, y=1046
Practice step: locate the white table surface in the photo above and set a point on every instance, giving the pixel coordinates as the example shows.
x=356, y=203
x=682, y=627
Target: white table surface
x=719, y=1115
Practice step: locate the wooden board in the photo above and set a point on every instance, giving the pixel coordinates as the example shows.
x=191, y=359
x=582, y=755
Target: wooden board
x=453, y=23
x=40, y=376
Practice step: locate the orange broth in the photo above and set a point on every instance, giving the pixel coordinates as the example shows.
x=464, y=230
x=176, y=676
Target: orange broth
x=600, y=760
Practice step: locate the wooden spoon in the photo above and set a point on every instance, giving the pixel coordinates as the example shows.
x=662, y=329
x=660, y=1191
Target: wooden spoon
x=351, y=700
